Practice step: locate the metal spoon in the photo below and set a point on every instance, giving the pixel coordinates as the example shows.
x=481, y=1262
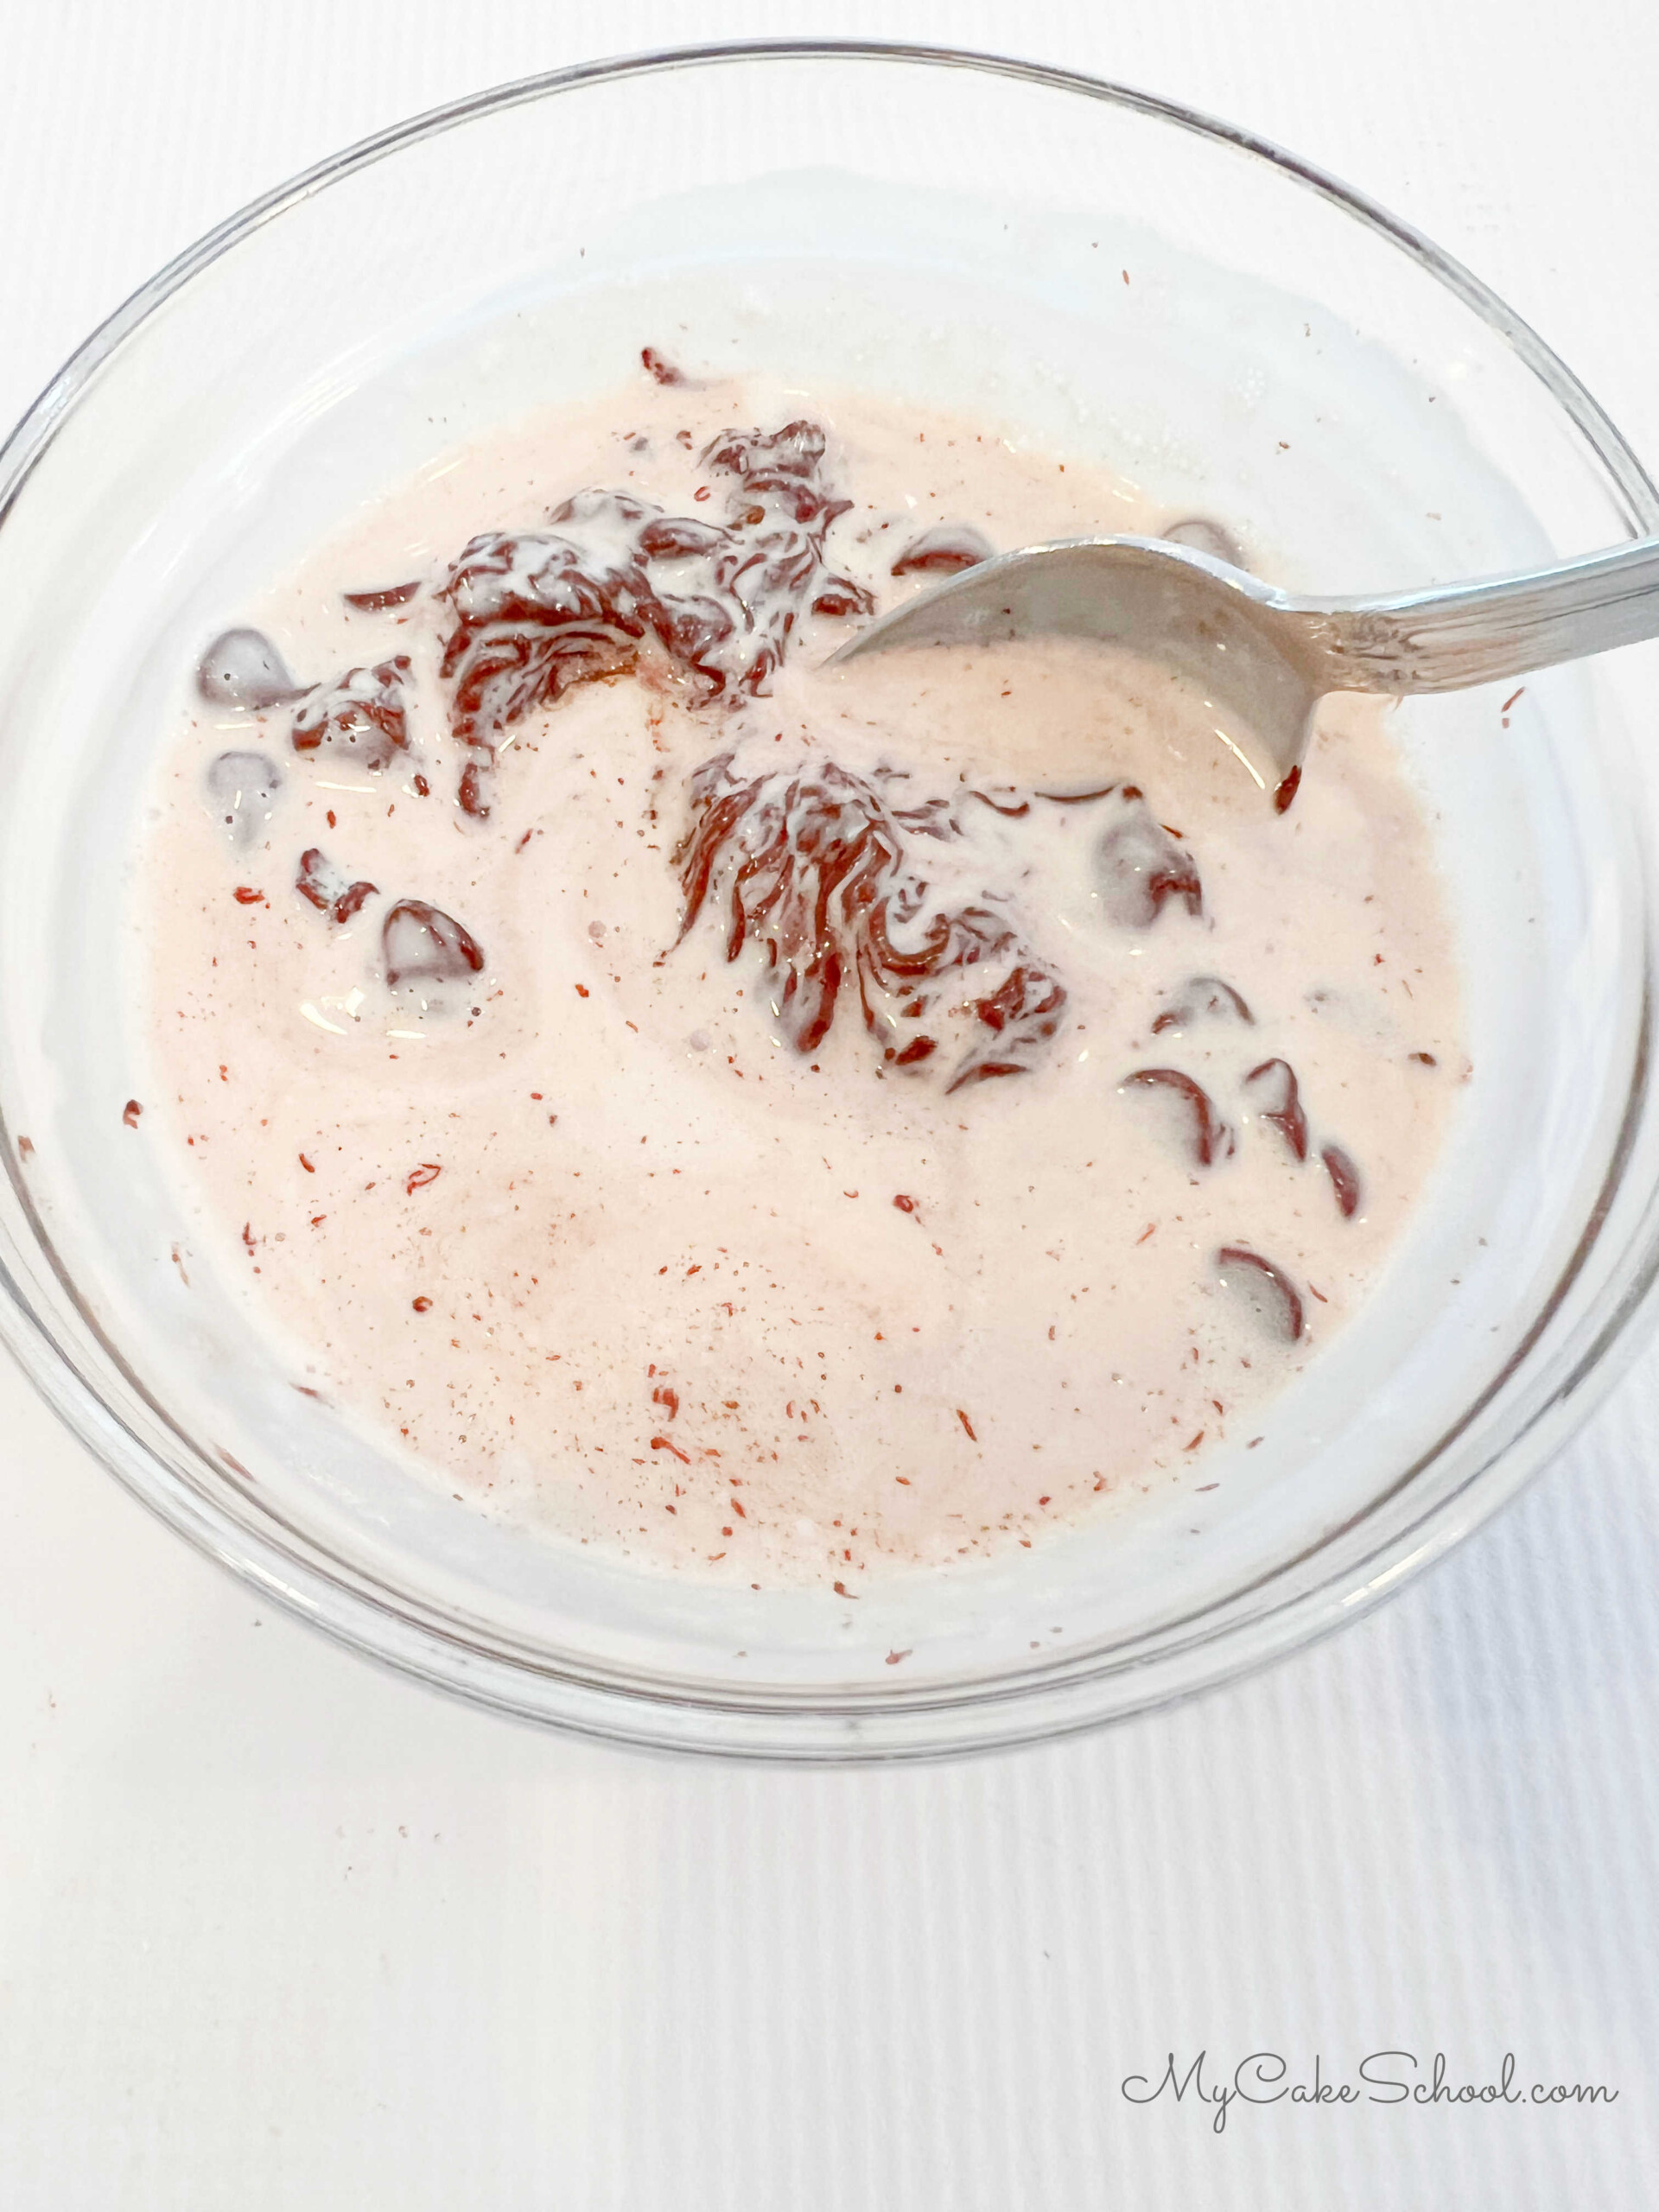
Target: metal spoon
x=1264, y=658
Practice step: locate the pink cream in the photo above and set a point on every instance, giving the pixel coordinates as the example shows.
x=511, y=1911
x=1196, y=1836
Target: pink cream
x=770, y=1124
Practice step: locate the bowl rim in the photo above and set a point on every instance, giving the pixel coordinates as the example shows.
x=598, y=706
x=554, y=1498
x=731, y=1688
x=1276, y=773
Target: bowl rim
x=822, y=1727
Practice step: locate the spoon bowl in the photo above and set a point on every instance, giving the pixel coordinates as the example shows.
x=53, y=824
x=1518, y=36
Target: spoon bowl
x=1215, y=624
x=1263, y=658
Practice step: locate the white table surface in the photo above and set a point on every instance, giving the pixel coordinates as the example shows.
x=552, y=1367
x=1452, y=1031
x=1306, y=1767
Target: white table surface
x=277, y=1930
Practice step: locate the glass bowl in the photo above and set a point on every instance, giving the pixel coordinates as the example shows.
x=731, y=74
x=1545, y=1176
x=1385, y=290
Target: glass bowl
x=1092, y=269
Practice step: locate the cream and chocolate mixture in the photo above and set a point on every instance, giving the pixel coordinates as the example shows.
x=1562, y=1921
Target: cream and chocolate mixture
x=772, y=1122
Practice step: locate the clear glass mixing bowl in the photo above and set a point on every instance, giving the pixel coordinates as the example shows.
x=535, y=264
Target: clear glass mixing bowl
x=1095, y=270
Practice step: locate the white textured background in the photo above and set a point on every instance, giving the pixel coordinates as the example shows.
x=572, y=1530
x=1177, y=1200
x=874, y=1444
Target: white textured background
x=275, y=1931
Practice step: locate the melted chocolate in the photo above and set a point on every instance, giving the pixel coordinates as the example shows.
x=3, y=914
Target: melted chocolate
x=1275, y=1084
x=1212, y=1139
x=943, y=550
x=326, y=889
x=242, y=668
x=614, y=579
x=423, y=944
x=377, y=602
x=1205, y=998
x=1139, y=866
x=1282, y=1308
x=365, y=711
x=812, y=867
x=1012, y=810
x=242, y=789
x=1080, y=798
x=1344, y=1179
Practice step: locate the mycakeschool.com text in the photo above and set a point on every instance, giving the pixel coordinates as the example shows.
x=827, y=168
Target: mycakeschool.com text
x=1381, y=2077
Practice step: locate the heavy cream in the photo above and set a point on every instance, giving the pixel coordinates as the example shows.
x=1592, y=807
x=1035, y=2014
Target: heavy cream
x=773, y=1124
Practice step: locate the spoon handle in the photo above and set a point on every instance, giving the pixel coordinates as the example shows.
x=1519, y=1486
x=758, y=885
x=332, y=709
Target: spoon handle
x=1446, y=640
